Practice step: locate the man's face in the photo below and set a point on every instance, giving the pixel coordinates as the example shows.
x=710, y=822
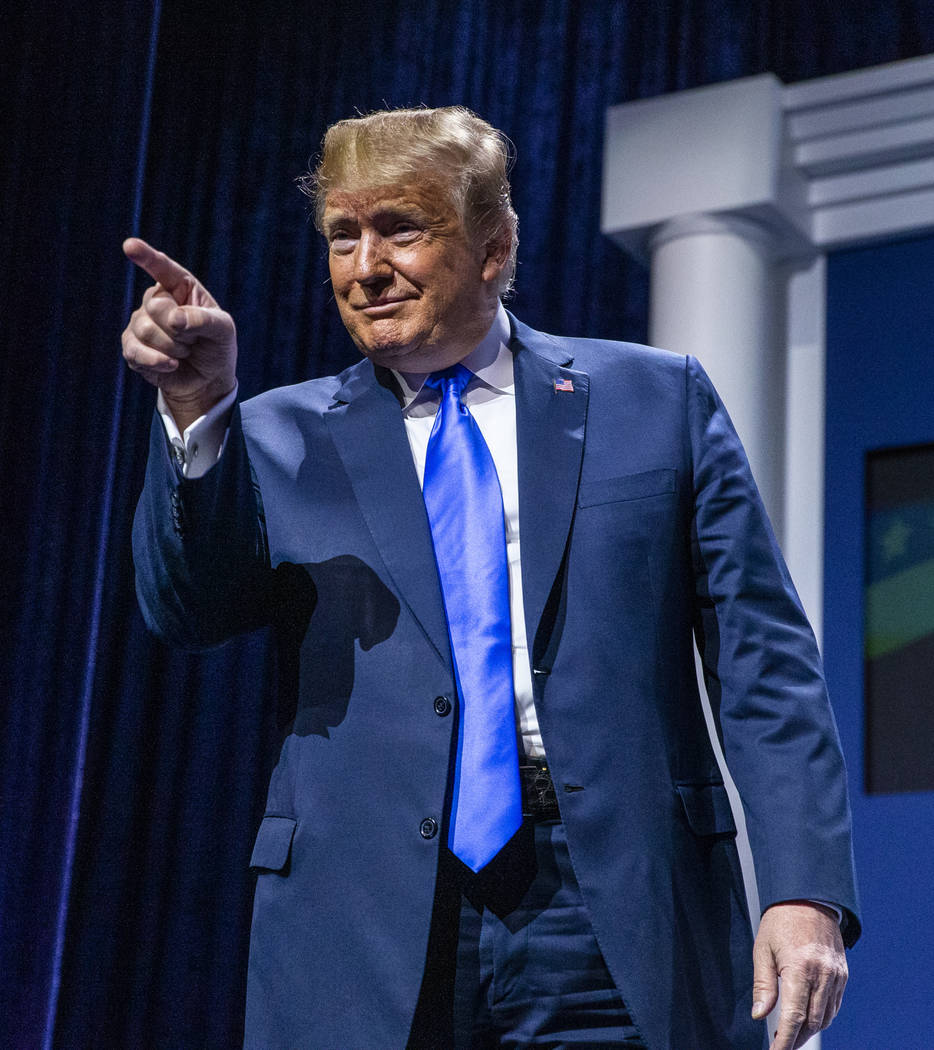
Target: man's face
x=413, y=289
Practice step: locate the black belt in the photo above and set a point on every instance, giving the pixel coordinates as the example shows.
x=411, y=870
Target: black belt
x=539, y=801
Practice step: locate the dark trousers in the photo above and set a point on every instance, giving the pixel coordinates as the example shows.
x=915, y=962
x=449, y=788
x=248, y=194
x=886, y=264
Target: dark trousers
x=512, y=958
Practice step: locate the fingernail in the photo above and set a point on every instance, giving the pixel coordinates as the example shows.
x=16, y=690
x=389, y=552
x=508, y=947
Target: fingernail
x=758, y=1008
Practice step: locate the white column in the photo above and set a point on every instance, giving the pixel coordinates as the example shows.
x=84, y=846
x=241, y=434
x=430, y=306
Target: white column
x=712, y=295
x=805, y=418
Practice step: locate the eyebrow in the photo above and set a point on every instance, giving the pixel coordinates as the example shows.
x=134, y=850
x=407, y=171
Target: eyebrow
x=335, y=218
x=384, y=213
x=328, y=224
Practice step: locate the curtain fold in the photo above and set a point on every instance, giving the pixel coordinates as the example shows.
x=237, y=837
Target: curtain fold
x=132, y=776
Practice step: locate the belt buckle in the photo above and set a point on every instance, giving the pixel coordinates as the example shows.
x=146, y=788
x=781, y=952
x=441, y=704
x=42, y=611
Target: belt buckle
x=539, y=800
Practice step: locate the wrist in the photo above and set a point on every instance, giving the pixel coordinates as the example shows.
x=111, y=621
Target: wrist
x=186, y=409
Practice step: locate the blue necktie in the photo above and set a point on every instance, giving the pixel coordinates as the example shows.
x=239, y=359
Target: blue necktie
x=465, y=511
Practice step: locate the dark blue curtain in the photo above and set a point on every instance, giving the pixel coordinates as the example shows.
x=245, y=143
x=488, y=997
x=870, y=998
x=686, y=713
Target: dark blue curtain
x=132, y=776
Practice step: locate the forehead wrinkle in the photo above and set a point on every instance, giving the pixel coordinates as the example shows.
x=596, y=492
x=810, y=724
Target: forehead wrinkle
x=428, y=200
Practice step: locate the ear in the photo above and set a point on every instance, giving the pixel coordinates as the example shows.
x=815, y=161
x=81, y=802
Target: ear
x=496, y=256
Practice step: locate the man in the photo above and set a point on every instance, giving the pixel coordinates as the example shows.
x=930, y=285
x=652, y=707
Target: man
x=412, y=887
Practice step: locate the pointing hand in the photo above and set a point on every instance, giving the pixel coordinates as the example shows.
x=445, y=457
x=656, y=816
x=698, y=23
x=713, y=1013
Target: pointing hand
x=179, y=339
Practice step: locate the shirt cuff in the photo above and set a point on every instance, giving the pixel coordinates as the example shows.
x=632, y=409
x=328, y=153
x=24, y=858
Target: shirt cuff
x=200, y=446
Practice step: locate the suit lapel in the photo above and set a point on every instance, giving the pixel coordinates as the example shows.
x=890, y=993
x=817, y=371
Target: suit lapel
x=550, y=424
x=369, y=434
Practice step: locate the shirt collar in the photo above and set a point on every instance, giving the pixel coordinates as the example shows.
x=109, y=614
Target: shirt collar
x=490, y=361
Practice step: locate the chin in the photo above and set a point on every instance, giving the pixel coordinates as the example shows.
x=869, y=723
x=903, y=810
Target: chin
x=380, y=338
x=387, y=353
x=390, y=350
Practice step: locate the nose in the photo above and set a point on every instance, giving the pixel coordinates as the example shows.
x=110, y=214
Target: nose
x=371, y=267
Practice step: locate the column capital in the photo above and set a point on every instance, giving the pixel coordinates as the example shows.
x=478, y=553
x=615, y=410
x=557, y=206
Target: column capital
x=835, y=161
x=701, y=224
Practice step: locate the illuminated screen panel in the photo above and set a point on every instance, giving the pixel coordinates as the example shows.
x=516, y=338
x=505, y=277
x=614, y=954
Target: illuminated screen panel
x=899, y=620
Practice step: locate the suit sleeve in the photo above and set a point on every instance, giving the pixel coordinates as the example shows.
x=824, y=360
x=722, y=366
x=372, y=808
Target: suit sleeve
x=764, y=676
x=199, y=546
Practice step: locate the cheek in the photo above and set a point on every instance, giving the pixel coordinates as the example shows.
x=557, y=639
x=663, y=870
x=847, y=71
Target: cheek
x=339, y=270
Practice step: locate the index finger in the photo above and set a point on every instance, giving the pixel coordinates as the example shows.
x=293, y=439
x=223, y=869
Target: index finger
x=157, y=264
x=793, y=1015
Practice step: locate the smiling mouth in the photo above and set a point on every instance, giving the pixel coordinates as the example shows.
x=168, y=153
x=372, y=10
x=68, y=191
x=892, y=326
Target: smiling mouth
x=378, y=306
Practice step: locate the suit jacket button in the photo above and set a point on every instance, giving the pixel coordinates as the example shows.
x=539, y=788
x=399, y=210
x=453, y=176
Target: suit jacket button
x=428, y=828
x=442, y=706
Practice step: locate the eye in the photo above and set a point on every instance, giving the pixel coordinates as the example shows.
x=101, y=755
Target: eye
x=341, y=240
x=405, y=231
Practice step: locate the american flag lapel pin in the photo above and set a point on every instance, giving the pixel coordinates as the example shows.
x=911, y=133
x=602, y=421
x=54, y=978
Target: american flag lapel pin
x=564, y=386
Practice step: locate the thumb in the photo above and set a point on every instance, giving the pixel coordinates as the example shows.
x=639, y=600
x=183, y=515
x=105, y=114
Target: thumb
x=764, y=980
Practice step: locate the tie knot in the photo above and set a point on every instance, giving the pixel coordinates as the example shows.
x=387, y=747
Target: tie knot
x=457, y=376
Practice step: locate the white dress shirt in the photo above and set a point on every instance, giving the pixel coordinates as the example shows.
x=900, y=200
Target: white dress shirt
x=490, y=398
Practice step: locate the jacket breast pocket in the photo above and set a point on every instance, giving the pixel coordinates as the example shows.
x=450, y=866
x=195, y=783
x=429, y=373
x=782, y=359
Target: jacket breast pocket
x=273, y=847
x=626, y=487
x=707, y=808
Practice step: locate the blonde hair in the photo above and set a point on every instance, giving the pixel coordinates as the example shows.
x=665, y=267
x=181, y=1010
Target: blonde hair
x=451, y=145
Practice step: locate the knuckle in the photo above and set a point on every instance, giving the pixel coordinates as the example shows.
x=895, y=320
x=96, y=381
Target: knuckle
x=794, y=1017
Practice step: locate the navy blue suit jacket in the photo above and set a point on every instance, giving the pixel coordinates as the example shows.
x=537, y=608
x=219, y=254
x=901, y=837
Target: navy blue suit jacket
x=641, y=527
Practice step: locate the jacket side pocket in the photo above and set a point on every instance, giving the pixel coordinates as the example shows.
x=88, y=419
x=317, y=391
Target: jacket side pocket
x=273, y=846
x=707, y=808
